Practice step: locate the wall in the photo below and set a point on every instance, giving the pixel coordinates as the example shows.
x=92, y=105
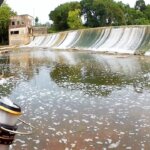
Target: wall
x=39, y=31
x=19, y=36
x=20, y=29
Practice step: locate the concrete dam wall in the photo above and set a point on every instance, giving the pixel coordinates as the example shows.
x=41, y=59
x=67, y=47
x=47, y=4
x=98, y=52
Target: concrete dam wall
x=124, y=39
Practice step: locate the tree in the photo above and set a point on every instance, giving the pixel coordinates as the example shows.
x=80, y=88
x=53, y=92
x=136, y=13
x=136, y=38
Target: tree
x=140, y=5
x=102, y=13
x=134, y=16
x=114, y=14
x=147, y=12
x=141, y=21
x=88, y=13
x=74, y=19
x=36, y=21
x=5, y=14
x=60, y=14
x=99, y=13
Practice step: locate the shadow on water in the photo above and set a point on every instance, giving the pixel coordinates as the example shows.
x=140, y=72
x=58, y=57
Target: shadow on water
x=78, y=100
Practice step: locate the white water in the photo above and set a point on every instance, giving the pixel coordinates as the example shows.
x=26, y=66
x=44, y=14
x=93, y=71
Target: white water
x=69, y=38
x=120, y=40
x=113, y=38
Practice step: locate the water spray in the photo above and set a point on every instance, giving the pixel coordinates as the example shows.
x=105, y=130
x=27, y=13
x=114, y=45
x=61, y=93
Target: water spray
x=9, y=115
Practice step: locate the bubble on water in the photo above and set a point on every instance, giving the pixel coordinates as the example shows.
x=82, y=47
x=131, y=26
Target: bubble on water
x=114, y=145
x=59, y=133
x=85, y=121
x=20, y=141
x=99, y=142
x=88, y=140
x=52, y=129
x=128, y=148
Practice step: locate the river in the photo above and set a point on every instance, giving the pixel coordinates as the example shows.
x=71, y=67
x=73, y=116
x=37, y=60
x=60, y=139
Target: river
x=79, y=100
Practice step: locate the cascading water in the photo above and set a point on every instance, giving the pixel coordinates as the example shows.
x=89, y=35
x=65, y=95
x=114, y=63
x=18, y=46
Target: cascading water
x=126, y=39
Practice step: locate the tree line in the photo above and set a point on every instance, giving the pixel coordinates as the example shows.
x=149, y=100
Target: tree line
x=98, y=13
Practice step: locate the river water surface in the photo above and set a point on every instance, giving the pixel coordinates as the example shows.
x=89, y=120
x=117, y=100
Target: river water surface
x=79, y=100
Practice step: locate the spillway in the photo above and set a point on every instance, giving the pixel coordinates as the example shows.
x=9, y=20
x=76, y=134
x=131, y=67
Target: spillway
x=123, y=39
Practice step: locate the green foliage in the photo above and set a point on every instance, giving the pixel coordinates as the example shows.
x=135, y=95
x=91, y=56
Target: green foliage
x=147, y=12
x=114, y=14
x=60, y=15
x=102, y=13
x=99, y=13
x=140, y=5
x=5, y=14
x=134, y=15
x=74, y=19
x=87, y=6
x=142, y=21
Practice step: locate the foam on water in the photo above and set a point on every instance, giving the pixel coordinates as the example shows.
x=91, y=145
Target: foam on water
x=81, y=100
x=3, y=81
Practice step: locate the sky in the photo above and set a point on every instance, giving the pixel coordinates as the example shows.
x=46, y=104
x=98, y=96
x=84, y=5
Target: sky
x=41, y=8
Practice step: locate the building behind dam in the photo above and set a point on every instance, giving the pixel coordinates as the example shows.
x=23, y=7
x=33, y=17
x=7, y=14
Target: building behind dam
x=22, y=30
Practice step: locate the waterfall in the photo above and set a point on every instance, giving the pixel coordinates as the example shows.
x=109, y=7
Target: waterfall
x=125, y=39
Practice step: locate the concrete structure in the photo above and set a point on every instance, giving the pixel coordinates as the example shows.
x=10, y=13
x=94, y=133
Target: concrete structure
x=20, y=29
x=39, y=31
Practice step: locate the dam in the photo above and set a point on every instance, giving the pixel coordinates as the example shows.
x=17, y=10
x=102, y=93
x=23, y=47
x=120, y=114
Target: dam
x=123, y=40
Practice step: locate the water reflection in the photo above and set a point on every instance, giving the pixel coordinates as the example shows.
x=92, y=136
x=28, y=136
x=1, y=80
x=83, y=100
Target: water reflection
x=5, y=76
x=79, y=100
x=99, y=75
